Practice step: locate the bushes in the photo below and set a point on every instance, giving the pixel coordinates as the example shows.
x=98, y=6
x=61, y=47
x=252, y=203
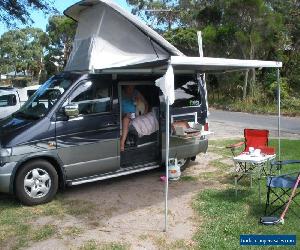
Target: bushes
x=289, y=107
x=273, y=88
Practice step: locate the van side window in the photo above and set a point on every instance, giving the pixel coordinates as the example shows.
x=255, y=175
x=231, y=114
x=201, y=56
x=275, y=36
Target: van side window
x=92, y=97
x=8, y=100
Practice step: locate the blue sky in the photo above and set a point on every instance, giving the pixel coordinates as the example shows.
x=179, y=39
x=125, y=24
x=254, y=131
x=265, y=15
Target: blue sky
x=40, y=20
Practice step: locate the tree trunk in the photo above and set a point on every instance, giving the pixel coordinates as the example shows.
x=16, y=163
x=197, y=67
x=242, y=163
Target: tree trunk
x=253, y=81
x=245, y=85
x=253, y=78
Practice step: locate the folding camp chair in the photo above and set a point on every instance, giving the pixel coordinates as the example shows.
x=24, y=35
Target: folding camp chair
x=279, y=189
x=256, y=138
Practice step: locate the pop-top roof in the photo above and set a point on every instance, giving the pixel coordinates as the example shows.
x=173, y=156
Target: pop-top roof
x=108, y=36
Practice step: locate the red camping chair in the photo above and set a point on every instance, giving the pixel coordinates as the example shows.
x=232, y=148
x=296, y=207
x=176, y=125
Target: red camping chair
x=258, y=139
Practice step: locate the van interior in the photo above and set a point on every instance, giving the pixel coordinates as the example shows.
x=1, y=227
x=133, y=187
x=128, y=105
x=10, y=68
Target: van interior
x=142, y=142
x=144, y=148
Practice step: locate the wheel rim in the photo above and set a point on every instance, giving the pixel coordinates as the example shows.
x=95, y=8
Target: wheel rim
x=181, y=162
x=37, y=183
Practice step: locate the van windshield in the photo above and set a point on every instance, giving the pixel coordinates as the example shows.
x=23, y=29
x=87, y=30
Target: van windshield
x=45, y=97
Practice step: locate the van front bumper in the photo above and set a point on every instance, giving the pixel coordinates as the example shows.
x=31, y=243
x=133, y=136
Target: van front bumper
x=6, y=172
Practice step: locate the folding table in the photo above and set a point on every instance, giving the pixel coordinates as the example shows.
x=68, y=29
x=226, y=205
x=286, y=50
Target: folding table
x=249, y=164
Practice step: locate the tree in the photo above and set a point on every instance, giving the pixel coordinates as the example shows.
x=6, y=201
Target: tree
x=13, y=11
x=185, y=39
x=61, y=31
x=290, y=11
x=251, y=22
x=248, y=29
x=23, y=50
x=160, y=15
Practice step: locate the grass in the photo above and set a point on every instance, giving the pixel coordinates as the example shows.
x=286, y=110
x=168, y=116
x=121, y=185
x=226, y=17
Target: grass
x=225, y=218
x=188, y=178
x=73, y=231
x=17, y=228
x=93, y=245
x=44, y=232
x=162, y=243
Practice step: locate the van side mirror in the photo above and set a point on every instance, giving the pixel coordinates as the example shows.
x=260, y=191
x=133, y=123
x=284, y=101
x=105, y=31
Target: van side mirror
x=71, y=110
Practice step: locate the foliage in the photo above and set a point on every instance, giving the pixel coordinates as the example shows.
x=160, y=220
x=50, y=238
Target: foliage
x=284, y=91
x=247, y=29
x=19, y=10
x=23, y=50
x=36, y=52
x=159, y=14
x=61, y=32
x=185, y=39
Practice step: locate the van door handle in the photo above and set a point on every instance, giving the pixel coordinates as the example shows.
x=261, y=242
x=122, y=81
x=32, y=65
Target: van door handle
x=111, y=124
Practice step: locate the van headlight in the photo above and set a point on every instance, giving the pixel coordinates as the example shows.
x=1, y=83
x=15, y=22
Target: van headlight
x=5, y=152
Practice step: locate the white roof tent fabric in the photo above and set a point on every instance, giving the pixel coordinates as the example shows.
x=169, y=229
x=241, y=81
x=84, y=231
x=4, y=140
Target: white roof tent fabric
x=108, y=36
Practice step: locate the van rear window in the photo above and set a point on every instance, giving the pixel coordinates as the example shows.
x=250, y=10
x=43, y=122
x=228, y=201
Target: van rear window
x=8, y=100
x=187, y=92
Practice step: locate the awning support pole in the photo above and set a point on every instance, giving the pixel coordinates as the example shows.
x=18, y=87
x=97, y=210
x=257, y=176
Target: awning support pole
x=279, y=114
x=167, y=163
x=201, y=54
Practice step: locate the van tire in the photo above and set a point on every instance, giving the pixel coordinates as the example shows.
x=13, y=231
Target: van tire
x=185, y=163
x=36, y=183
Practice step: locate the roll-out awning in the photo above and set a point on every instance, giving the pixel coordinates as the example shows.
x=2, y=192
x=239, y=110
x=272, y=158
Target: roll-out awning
x=211, y=64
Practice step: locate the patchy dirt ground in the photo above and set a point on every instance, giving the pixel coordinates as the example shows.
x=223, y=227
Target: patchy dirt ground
x=130, y=211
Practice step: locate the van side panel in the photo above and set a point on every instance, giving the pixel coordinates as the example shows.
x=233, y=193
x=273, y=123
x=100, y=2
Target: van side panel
x=88, y=145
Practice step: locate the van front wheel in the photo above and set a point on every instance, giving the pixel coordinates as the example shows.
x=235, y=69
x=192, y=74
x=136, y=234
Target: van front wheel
x=36, y=183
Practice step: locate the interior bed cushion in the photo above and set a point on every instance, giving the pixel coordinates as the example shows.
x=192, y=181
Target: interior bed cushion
x=145, y=124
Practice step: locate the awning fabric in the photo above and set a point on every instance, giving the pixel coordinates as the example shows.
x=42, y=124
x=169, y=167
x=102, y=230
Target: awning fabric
x=211, y=64
x=108, y=37
x=206, y=64
x=166, y=84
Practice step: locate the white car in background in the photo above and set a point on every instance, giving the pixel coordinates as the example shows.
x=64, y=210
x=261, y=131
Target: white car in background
x=11, y=99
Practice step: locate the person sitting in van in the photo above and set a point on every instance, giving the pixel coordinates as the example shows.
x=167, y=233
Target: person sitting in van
x=130, y=98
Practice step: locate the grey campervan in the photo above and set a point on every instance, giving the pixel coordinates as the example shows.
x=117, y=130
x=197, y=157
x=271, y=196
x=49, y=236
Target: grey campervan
x=68, y=133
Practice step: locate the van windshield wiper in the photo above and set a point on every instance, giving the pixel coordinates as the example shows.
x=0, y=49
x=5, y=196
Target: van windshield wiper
x=26, y=115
